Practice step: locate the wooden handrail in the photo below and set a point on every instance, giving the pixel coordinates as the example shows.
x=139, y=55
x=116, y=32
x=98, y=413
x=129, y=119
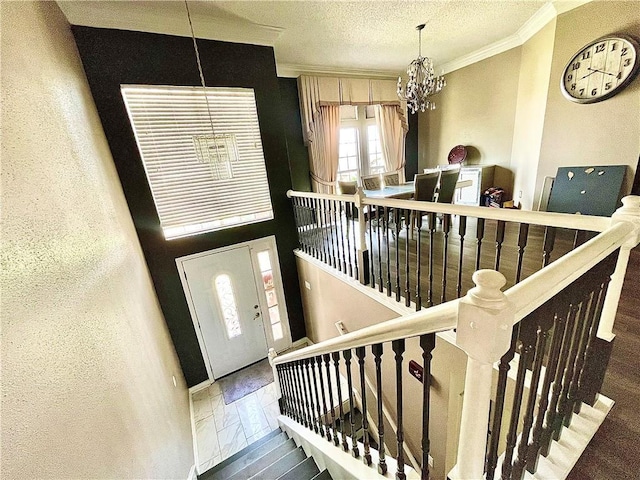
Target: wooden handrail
x=551, y=219
x=435, y=319
x=535, y=290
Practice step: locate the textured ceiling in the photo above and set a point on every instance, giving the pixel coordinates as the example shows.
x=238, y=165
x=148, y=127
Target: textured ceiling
x=327, y=36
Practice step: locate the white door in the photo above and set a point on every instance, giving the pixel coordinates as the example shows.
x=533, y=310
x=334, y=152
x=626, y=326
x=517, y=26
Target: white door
x=223, y=294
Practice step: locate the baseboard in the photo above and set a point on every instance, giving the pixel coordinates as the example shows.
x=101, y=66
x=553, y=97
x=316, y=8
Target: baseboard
x=192, y=473
x=200, y=386
x=302, y=342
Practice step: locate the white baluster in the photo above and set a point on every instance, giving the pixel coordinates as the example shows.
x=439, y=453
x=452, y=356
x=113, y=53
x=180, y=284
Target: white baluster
x=485, y=322
x=361, y=244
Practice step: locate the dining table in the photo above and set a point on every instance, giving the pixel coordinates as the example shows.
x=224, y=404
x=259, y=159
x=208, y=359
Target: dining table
x=404, y=190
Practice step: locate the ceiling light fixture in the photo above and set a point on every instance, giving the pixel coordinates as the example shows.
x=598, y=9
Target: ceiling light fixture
x=422, y=82
x=217, y=150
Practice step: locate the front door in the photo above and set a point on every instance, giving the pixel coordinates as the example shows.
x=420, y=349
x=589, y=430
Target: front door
x=223, y=294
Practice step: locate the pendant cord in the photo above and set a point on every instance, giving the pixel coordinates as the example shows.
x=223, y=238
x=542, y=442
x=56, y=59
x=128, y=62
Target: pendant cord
x=204, y=89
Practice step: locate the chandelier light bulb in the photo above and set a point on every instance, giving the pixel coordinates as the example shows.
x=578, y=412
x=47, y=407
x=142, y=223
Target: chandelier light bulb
x=422, y=82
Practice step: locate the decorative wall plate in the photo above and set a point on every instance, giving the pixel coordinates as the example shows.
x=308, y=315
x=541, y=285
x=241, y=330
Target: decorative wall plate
x=457, y=154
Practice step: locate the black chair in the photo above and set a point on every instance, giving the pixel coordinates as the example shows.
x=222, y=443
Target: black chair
x=425, y=188
x=447, y=188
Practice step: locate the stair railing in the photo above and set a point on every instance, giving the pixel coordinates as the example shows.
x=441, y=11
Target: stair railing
x=560, y=305
x=424, y=253
x=555, y=315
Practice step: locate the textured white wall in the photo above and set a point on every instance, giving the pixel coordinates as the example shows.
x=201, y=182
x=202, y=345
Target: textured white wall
x=87, y=361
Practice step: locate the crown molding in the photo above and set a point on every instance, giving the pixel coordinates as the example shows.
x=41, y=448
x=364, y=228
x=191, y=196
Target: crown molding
x=292, y=70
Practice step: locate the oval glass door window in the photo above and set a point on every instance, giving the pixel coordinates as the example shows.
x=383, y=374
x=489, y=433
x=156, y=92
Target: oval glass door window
x=227, y=301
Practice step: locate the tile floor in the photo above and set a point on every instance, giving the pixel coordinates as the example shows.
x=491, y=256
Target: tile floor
x=222, y=430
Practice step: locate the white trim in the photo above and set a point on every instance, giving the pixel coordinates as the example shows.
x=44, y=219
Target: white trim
x=294, y=70
x=302, y=342
x=538, y=20
x=192, y=473
x=533, y=25
x=270, y=243
x=564, y=454
x=200, y=386
x=194, y=438
x=340, y=464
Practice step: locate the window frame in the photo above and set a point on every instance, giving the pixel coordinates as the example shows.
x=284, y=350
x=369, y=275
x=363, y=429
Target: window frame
x=188, y=197
x=361, y=123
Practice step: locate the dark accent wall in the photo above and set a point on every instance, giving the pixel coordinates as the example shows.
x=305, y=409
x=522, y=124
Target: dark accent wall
x=115, y=57
x=298, y=152
x=411, y=147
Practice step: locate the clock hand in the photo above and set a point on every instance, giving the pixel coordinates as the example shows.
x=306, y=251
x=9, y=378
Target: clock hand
x=585, y=76
x=593, y=70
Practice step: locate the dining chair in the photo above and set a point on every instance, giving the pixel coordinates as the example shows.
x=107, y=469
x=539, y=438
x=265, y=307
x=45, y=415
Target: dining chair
x=347, y=188
x=425, y=187
x=447, y=187
x=371, y=182
x=391, y=179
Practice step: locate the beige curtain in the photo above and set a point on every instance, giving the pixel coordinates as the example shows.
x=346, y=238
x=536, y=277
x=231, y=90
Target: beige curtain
x=324, y=148
x=320, y=98
x=393, y=128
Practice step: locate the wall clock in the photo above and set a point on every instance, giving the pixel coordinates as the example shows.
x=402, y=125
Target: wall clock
x=601, y=69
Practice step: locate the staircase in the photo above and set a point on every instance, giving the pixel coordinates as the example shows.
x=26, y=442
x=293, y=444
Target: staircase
x=274, y=456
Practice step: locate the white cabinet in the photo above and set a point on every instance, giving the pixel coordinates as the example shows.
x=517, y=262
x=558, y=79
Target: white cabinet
x=481, y=177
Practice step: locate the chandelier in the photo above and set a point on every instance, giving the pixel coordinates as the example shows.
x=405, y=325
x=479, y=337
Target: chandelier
x=422, y=82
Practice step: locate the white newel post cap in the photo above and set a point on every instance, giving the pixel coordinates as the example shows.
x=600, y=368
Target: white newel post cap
x=629, y=212
x=272, y=355
x=485, y=318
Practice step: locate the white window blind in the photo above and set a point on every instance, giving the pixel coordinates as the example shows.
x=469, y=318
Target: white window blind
x=203, y=177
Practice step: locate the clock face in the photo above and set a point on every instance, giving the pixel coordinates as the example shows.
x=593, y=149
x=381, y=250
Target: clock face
x=600, y=69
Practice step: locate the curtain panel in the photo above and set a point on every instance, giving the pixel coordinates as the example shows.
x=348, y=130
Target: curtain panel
x=323, y=150
x=393, y=128
x=322, y=125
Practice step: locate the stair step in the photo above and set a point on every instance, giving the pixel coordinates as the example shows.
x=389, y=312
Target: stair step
x=245, y=457
x=323, y=475
x=281, y=465
x=263, y=462
x=305, y=470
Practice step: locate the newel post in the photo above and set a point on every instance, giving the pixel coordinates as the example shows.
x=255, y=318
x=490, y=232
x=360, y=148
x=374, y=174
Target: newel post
x=629, y=212
x=276, y=381
x=485, y=322
x=361, y=245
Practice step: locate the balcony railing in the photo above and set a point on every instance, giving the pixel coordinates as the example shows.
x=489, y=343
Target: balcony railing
x=550, y=320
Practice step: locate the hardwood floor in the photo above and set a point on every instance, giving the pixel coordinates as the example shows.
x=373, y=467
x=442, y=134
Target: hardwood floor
x=614, y=452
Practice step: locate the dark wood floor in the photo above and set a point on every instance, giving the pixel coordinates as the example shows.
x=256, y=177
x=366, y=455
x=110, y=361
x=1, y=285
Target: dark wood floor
x=532, y=258
x=614, y=452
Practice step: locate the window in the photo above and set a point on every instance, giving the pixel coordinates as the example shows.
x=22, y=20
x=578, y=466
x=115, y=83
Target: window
x=360, y=151
x=206, y=172
x=264, y=261
x=227, y=301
